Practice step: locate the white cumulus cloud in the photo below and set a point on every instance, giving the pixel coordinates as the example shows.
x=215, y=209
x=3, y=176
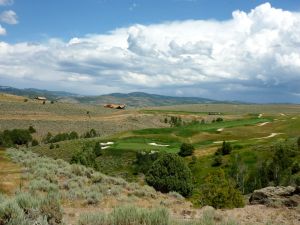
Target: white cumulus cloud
x=6, y=2
x=2, y=30
x=9, y=17
x=254, y=56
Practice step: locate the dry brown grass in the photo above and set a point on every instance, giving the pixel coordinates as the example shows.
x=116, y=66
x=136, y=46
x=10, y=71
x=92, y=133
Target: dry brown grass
x=11, y=98
x=261, y=215
x=10, y=174
x=66, y=117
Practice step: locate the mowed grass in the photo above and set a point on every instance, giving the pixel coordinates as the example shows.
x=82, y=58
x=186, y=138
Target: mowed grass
x=190, y=130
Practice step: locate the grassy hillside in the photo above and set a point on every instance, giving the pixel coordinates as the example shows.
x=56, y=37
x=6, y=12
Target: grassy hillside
x=65, y=117
x=245, y=135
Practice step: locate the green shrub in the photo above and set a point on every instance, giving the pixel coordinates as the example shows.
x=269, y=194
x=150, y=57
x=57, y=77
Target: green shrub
x=186, y=150
x=127, y=215
x=175, y=121
x=170, y=173
x=295, y=167
x=51, y=146
x=219, y=192
x=86, y=157
x=297, y=180
x=34, y=142
x=51, y=209
x=225, y=149
x=9, y=138
x=73, y=135
x=31, y=129
x=144, y=160
x=27, y=202
x=93, y=219
x=97, y=149
x=47, y=138
x=97, y=177
x=218, y=160
x=42, y=185
x=11, y=214
x=90, y=134
x=93, y=197
x=219, y=119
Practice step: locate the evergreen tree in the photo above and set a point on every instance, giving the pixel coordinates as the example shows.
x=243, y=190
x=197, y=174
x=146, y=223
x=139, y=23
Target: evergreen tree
x=170, y=173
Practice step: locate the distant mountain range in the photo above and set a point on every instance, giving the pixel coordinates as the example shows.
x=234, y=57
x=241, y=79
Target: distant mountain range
x=134, y=99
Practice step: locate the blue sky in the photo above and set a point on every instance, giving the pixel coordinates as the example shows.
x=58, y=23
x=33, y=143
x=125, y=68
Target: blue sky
x=41, y=19
x=245, y=50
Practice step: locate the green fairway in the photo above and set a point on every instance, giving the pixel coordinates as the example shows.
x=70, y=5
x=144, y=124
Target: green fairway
x=190, y=130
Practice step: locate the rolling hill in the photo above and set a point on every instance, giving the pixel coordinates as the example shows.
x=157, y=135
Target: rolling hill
x=134, y=99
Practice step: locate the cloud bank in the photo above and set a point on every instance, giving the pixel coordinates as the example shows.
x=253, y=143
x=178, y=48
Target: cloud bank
x=254, y=56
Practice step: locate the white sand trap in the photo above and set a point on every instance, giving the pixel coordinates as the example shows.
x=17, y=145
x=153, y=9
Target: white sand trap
x=260, y=115
x=220, y=129
x=282, y=114
x=105, y=147
x=270, y=136
x=262, y=124
x=107, y=143
x=294, y=118
x=158, y=145
x=220, y=142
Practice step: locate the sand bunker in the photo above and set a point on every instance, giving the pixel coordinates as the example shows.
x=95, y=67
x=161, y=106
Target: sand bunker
x=262, y=124
x=105, y=147
x=107, y=143
x=260, y=115
x=282, y=114
x=270, y=136
x=158, y=145
x=220, y=129
x=220, y=142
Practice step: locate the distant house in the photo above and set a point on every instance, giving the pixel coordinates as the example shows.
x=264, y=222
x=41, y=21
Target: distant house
x=40, y=98
x=115, y=106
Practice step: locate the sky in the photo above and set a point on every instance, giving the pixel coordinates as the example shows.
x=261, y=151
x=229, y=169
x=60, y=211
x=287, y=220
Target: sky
x=245, y=50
